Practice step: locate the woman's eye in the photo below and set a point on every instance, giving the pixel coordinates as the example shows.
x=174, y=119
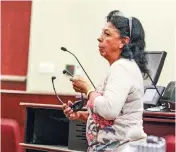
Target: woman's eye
x=107, y=34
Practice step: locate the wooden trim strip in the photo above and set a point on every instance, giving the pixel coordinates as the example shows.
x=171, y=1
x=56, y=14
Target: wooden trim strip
x=13, y=78
x=172, y=121
x=35, y=105
x=159, y=114
x=47, y=147
x=34, y=93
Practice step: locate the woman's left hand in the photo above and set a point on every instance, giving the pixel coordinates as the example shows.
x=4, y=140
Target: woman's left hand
x=80, y=84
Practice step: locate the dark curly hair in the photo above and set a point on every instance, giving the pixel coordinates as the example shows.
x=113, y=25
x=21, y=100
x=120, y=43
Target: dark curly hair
x=135, y=49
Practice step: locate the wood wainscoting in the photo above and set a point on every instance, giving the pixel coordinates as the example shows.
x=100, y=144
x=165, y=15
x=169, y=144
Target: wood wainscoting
x=11, y=109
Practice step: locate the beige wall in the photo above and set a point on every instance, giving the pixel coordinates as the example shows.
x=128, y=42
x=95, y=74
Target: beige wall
x=76, y=24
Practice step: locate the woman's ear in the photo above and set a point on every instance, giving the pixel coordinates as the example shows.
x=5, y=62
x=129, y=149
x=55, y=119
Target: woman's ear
x=121, y=45
x=124, y=41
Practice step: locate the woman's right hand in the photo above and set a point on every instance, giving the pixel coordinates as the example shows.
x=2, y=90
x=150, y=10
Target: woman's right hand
x=69, y=112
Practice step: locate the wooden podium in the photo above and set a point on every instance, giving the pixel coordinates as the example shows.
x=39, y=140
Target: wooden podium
x=47, y=128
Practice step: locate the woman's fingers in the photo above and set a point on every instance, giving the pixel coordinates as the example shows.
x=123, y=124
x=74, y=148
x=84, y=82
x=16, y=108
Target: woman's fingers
x=75, y=78
x=78, y=89
x=72, y=116
x=64, y=106
x=68, y=111
x=70, y=103
x=79, y=84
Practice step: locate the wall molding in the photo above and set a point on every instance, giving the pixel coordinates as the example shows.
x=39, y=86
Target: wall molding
x=13, y=78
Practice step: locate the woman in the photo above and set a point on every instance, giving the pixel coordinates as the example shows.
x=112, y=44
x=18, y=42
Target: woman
x=115, y=108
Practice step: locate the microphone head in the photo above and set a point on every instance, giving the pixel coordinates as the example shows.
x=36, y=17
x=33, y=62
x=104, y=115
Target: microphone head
x=63, y=49
x=53, y=77
x=64, y=71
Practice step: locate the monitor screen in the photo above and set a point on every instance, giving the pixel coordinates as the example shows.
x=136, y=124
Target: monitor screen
x=149, y=95
x=155, y=65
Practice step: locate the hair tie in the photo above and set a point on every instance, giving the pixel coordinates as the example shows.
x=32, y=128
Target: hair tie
x=130, y=26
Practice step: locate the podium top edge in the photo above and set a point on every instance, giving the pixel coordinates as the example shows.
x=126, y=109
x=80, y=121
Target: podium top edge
x=38, y=105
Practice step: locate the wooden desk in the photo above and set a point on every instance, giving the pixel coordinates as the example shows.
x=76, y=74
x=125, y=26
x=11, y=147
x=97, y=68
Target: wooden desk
x=159, y=123
x=155, y=123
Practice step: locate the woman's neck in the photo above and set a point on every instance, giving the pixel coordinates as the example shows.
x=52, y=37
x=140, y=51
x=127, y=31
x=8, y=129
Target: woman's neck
x=114, y=58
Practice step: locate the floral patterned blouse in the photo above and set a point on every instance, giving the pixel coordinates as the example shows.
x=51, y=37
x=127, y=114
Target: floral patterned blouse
x=116, y=108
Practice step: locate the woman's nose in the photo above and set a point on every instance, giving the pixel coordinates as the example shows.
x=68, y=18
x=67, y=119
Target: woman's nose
x=100, y=39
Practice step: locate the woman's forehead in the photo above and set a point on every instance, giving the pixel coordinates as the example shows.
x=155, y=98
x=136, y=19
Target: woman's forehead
x=109, y=27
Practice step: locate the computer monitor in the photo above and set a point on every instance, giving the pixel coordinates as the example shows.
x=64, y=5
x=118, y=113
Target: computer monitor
x=155, y=64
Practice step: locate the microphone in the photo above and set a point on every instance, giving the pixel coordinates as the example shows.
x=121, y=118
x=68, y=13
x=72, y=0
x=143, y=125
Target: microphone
x=64, y=49
x=53, y=78
x=77, y=106
x=65, y=71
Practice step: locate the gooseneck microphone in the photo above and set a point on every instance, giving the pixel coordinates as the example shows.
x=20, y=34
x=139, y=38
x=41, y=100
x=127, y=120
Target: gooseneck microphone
x=77, y=106
x=53, y=78
x=64, y=49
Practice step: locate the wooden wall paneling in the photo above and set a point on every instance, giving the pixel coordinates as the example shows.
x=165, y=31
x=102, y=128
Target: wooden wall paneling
x=15, y=36
x=10, y=107
x=10, y=85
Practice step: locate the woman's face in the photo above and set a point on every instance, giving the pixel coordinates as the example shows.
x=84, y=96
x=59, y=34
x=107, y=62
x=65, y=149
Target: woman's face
x=110, y=43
